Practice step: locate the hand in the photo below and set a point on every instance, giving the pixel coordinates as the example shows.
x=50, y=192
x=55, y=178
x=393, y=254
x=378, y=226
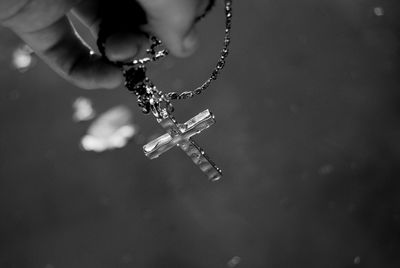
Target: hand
x=45, y=27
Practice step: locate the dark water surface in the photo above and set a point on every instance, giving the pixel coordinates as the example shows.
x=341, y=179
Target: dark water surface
x=307, y=133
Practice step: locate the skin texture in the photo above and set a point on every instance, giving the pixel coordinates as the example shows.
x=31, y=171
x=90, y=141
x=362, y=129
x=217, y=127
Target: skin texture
x=45, y=27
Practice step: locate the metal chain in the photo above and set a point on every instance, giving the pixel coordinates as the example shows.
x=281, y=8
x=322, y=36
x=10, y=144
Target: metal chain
x=220, y=64
x=149, y=98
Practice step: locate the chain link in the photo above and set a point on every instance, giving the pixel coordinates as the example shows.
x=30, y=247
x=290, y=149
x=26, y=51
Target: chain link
x=220, y=64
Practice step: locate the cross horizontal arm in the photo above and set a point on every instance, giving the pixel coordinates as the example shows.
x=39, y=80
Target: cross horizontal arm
x=180, y=135
x=157, y=147
x=176, y=133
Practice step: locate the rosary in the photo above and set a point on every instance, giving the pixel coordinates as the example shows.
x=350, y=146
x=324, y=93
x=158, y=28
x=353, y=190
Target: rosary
x=154, y=101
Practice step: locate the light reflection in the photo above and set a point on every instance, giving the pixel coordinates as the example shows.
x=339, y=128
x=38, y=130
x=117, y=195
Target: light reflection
x=111, y=130
x=83, y=110
x=379, y=11
x=22, y=58
x=357, y=260
x=326, y=169
x=235, y=261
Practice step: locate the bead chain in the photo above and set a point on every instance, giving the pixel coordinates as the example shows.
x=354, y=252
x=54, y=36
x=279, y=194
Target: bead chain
x=220, y=64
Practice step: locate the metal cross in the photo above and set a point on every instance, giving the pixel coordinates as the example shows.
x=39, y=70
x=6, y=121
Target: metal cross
x=180, y=135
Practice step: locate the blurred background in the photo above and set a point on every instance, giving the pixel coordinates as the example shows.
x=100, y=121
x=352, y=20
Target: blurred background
x=307, y=133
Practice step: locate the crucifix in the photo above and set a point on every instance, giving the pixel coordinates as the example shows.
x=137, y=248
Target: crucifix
x=181, y=135
x=152, y=100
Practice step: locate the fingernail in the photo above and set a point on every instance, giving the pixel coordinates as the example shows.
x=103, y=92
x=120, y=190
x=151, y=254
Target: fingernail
x=121, y=47
x=122, y=54
x=190, y=42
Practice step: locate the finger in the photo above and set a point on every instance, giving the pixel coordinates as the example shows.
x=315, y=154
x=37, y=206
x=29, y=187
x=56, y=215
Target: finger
x=60, y=46
x=173, y=22
x=88, y=12
x=126, y=41
x=121, y=47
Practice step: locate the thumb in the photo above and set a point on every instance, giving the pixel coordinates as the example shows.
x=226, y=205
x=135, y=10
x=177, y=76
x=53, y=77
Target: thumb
x=173, y=22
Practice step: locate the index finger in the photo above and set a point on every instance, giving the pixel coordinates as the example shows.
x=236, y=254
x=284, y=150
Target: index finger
x=173, y=22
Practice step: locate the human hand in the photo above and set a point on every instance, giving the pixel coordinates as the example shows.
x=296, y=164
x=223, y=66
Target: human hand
x=45, y=27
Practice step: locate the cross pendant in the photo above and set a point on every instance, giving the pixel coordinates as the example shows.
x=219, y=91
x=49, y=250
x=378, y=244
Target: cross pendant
x=180, y=135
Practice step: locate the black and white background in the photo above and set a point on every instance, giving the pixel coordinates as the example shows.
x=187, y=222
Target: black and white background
x=307, y=133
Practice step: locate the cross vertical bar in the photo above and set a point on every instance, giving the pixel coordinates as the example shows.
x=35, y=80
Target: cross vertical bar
x=180, y=135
